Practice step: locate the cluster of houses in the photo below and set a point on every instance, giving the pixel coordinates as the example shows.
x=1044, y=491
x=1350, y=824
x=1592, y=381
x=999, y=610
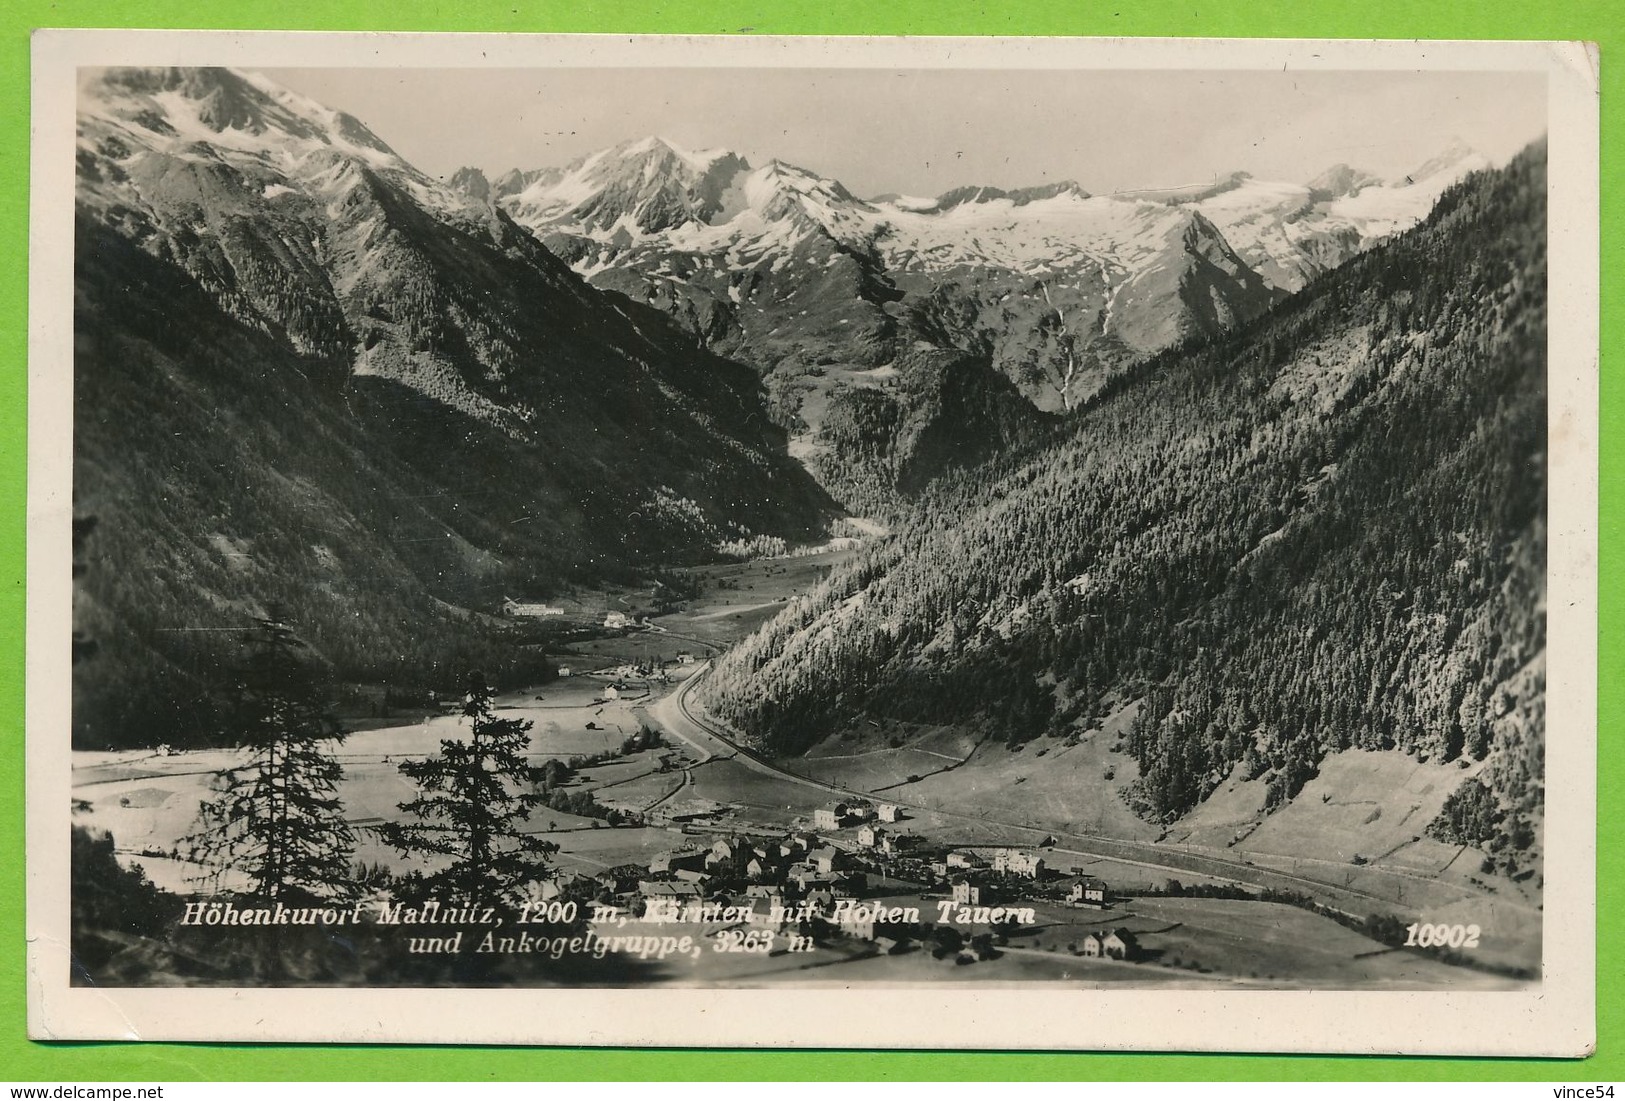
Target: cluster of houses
x=1011, y=862
x=976, y=879
x=1118, y=944
x=793, y=880
x=840, y=815
x=785, y=880
x=802, y=875
x=799, y=858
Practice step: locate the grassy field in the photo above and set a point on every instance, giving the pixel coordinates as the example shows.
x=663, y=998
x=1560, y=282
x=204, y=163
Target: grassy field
x=736, y=598
x=863, y=766
x=1042, y=785
x=1258, y=941
x=732, y=600
x=592, y=850
x=149, y=802
x=761, y=798
x=1370, y=806
x=635, y=647
x=1362, y=803
x=637, y=793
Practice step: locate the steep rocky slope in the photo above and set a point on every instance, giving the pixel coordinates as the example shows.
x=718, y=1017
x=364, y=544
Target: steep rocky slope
x=308, y=374
x=1052, y=288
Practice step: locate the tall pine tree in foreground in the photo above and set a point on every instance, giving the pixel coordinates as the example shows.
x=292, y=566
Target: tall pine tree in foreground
x=277, y=818
x=475, y=797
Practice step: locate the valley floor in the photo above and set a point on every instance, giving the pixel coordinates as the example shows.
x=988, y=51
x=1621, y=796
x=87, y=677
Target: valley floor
x=701, y=785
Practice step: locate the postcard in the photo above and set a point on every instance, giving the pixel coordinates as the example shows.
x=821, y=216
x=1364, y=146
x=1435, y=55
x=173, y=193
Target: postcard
x=829, y=542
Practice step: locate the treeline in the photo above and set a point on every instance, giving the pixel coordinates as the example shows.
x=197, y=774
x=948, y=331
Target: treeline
x=555, y=775
x=164, y=644
x=1323, y=530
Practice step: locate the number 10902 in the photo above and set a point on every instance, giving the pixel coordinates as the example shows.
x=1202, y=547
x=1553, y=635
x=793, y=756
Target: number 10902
x=1425, y=935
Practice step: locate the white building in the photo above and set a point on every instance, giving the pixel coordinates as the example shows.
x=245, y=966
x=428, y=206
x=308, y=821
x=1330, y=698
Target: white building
x=1017, y=862
x=1087, y=891
x=825, y=859
x=513, y=607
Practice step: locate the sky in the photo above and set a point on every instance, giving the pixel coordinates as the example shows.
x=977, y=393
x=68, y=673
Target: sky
x=922, y=132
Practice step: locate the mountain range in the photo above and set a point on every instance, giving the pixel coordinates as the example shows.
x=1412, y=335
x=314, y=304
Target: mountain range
x=1052, y=288
x=307, y=373
x=1137, y=449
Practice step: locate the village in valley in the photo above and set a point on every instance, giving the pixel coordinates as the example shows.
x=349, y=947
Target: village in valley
x=775, y=870
x=711, y=575
x=818, y=880
x=786, y=871
x=861, y=877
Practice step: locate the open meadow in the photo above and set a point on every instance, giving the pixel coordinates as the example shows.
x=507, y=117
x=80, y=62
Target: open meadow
x=149, y=800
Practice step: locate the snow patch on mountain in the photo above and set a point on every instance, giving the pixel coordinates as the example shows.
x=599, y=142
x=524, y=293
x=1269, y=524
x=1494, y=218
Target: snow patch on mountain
x=244, y=121
x=1291, y=233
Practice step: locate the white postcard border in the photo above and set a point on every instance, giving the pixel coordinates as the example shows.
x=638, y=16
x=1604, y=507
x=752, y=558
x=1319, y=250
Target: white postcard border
x=1554, y=1018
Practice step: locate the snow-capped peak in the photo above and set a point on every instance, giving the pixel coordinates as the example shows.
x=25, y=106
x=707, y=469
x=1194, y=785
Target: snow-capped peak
x=1454, y=161
x=1020, y=196
x=1339, y=180
x=281, y=140
x=776, y=180
x=696, y=160
x=227, y=108
x=640, y=186
x=781, y=192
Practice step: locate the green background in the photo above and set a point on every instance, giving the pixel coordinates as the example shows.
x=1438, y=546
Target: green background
x=1596, y=20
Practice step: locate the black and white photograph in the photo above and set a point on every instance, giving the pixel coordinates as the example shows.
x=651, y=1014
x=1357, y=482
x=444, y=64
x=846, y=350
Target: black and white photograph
x=841, y=524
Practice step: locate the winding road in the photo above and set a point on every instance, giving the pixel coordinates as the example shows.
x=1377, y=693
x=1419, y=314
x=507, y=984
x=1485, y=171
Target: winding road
x=677, y=714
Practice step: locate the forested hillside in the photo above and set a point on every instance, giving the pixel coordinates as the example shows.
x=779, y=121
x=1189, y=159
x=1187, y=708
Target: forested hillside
x=1322, y=530
x=938, y=411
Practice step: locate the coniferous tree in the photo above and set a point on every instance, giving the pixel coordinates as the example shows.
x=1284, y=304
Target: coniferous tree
x=277, y=818
x=476, y=795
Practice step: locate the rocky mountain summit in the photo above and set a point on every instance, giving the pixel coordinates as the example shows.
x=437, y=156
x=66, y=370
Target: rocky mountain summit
x=1051, y=287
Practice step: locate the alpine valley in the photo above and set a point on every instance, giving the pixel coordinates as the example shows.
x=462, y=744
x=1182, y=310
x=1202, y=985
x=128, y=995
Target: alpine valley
x=1199, y=529
x=866, y=317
